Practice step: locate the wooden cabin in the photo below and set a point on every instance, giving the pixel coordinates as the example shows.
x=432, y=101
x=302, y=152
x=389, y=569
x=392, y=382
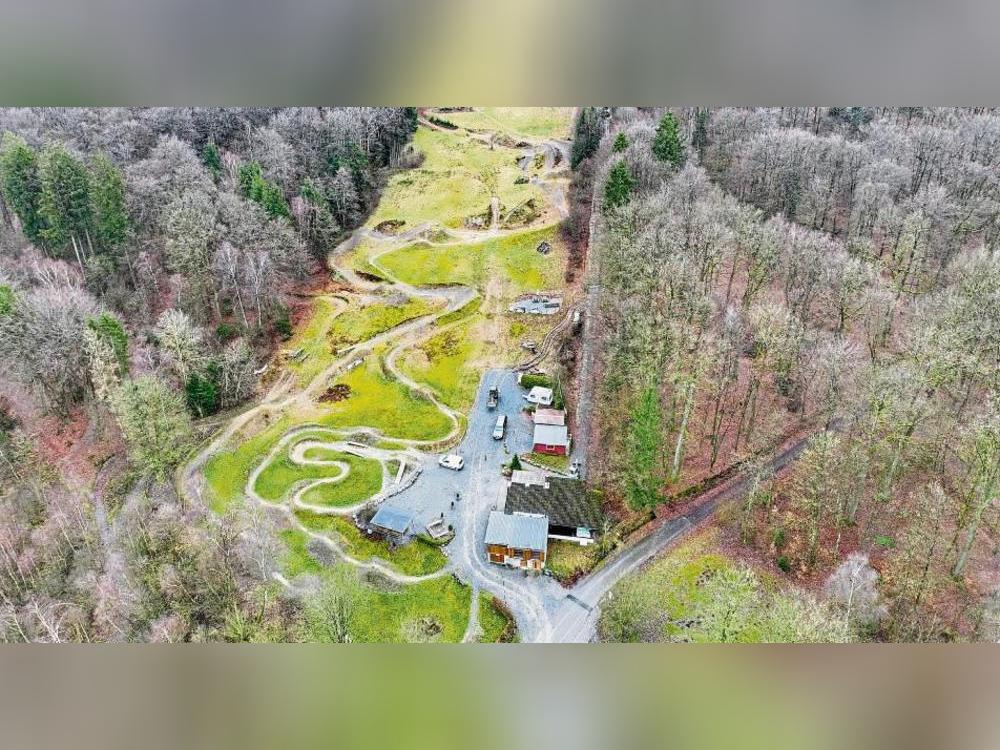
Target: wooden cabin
x=517, y=540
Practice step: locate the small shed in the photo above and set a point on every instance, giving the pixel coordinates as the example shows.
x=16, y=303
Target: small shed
x=552, y=439
x=550, y=416
x=393, y=523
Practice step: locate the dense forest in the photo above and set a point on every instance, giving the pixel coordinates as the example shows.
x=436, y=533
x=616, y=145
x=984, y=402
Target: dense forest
x=822, y=279
x=830, y=275
x=150, y=261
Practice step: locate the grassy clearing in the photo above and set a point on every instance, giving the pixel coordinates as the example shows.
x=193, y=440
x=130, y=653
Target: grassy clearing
x=415, y=558
x=227, y=472
x=537, y=122
x=318, y=453
x=280, y=474
x=697, y=593
x=670, y=585
x=447, y=187
x=496, y=626
x=362, y=323
x=297, y=559
x=388, y=613
x=566, y=558
x=363, y=480
x=402, y=616
x=312, y=339
x=385, y=404
x=442, y=362
x=359, y=257
x=513, y=259
x=556, y=463
x=467, y=310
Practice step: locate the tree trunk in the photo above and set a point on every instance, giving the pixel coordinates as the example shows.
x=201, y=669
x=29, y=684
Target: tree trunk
x=76, y=252
x=675, y=470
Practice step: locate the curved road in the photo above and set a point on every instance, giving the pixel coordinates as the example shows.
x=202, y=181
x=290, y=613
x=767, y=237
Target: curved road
x=545, y=612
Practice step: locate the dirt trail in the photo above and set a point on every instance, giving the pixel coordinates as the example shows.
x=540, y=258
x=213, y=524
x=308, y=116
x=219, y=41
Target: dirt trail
x=283, y=397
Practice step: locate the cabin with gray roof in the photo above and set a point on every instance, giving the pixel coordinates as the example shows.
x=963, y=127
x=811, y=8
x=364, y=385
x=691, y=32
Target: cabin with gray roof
x=392, y=523
x=518, y=540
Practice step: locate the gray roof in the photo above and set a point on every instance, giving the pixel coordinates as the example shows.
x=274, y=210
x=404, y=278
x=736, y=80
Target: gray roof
x=566, y=502
x=392, y=519
x=551, y=434
x=518, y=530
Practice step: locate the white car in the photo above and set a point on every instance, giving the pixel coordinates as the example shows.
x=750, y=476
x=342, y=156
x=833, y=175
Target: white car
x=452, y=461
x=500, y=428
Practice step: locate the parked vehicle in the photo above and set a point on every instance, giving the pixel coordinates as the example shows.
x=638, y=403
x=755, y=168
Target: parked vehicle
x=494, y=398
x=501, y=427
x=452, y=461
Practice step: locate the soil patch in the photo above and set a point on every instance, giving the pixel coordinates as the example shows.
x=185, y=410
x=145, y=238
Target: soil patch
x=334, y=393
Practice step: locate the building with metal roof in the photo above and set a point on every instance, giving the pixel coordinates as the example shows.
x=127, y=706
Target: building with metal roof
x=552, y=439
x=519, y=540
x=393, y=522
x=549, y=416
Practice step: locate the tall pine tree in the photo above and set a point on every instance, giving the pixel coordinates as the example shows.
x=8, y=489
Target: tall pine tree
x=65, y=202
x=589, y=129
x=21, y=184
x=618, y=188
x=107, y=196
x=211, y=159
x=256, y=188
x=699, y=138
x=667, y=145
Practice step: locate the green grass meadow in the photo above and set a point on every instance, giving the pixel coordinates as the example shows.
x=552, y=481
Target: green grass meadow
x=385, y=404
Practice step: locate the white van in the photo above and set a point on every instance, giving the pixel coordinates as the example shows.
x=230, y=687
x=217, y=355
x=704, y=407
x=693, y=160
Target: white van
x=500, y=428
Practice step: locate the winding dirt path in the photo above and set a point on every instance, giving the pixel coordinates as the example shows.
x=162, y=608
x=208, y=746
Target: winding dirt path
x=285, y=397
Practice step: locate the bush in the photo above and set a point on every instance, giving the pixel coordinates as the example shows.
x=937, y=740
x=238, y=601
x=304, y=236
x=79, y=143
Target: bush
x=529, y=381
x=442, y=123
x=778, y=538
x=784, y=564
x=202, y=393
x=283, y=325
x=226, y=331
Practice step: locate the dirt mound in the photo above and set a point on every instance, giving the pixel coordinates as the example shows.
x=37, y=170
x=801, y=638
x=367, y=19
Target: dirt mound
x=523, y=214
x=338, y=392
x=321, y=552
x=379, y=581
x=390, y=226
x=478, y=221
x=422, y=630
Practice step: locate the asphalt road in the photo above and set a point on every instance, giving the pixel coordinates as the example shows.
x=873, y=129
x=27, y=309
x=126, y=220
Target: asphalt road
x=576, y=618
x=545, y=611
